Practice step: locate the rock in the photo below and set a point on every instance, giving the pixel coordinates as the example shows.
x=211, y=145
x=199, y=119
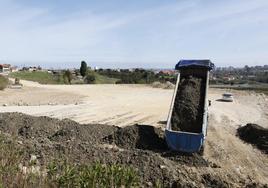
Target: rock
x=163, y=166
x=35, y=170
x=33, y=158
x=149, y=184
x=20, y=142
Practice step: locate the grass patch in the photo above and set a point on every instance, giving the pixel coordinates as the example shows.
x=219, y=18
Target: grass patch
x=48, y=78
x=93, y=77
x=17, y=171
x=100, y=79
x=38, y=76
x=95, y=175
x=3, y=82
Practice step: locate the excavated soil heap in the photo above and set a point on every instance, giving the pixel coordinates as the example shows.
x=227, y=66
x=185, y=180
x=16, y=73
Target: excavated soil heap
x=189, y=105
x=140, y=146
x=255, y=135
x=140, y=137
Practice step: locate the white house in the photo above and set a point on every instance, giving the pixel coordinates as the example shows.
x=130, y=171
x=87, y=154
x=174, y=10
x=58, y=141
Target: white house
x=5, y=68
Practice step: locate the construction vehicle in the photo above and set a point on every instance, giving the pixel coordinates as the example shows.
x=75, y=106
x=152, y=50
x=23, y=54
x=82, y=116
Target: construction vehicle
x=188, y=141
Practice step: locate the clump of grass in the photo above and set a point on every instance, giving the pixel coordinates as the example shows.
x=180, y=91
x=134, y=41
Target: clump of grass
x=10, y=158
x=17, y=171
x=95, y=175
x=3, y=82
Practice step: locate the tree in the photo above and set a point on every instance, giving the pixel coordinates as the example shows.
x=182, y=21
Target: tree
x=83, y=68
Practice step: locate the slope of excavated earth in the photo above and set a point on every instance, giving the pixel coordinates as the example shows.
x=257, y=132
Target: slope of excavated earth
x=189, y=105
x=255, y=135
x=140, y=146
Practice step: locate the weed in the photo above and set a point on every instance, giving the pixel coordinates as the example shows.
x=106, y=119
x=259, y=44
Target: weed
x=17, y=171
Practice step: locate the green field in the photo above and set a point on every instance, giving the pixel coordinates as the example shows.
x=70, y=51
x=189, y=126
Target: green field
x=100, y=79
x=48, y=78
x=38, y=76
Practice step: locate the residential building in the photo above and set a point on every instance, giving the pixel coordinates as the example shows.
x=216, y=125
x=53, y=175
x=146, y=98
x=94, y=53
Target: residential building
x=5, y=68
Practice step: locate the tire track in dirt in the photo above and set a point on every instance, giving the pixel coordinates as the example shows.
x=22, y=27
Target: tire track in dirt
x=228, y=151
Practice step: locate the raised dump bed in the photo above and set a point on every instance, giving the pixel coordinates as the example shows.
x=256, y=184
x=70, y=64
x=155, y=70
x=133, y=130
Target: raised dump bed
x=187, y=122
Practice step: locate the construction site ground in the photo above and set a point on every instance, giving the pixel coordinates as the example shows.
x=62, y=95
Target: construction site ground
x=227, y=159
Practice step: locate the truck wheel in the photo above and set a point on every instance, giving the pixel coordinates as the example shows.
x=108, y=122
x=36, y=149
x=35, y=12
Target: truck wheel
x=201, y=151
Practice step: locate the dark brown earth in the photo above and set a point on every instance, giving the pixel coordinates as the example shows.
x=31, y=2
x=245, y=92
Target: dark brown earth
x=255, y=135
x=140, y=146
x=189, y=105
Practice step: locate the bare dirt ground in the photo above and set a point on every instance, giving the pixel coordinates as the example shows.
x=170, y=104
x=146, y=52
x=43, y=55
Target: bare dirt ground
x=123, y=105
x=119, y=105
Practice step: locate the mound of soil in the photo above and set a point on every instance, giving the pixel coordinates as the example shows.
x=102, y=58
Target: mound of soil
x=140, y=137
x=140, y=146
x=188, y=105
x=146, y=137
x=213, y=181
x=255, y=135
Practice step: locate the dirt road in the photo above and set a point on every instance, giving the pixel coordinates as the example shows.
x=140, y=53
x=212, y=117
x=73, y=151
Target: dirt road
x=123, y=105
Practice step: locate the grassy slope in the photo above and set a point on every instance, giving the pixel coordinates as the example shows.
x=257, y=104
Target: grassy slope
x=37, y=76
x=3, y=82
x=47, y=78
x=100, y=79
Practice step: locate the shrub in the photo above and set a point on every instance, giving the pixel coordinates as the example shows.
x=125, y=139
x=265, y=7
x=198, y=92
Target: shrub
x=90, y=78
x=3, y=82
x=67, y=77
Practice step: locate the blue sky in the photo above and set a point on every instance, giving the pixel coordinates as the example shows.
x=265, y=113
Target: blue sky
x=141, y=33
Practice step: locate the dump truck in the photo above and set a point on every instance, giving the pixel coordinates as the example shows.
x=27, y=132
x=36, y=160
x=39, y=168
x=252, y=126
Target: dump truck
x=187, y=122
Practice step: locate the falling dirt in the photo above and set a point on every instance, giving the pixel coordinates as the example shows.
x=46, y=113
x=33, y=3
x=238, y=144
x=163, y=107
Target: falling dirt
x=189, y=105
x=255, y=135
x=140, y=146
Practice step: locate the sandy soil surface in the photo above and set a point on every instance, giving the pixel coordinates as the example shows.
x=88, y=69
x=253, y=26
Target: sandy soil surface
x=119, y=105
x=34, y=94
x=123, y=105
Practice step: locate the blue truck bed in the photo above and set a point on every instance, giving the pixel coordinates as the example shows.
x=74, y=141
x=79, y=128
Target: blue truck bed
x=189, y=141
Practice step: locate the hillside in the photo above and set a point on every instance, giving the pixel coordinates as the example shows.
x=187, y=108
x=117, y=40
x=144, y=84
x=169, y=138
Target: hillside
x=38, y=76
x=48, y=78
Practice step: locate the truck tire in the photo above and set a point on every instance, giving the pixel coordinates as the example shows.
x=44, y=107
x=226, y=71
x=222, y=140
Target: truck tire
x=201, y=151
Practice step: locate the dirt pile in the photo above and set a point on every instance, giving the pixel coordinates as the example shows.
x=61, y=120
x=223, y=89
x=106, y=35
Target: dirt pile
x=140, y=146
x=188, y=106
x=140, y=137
x=255, y=135
x=166, y=85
